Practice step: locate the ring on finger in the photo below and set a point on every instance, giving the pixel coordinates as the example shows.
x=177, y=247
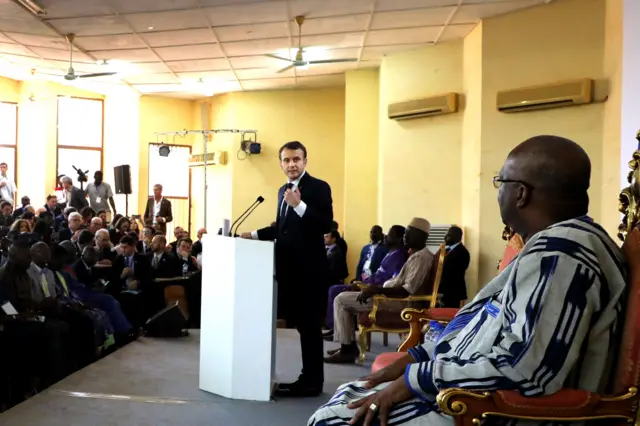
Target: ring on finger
x=373, y=407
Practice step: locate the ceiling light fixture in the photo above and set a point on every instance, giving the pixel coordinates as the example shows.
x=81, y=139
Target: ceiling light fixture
x=32, y=6
x=149, y=28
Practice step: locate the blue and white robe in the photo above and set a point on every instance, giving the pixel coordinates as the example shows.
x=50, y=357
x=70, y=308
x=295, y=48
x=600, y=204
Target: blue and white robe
x=548, y=321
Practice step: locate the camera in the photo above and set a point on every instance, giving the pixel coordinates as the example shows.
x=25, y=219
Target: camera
x=82, y=176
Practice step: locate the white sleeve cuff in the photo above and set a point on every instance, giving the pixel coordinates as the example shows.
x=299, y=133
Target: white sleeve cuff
x=301, y=208
x=254, y=235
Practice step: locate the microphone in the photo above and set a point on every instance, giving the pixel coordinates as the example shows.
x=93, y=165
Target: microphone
x=246, y=212
x=252, y=208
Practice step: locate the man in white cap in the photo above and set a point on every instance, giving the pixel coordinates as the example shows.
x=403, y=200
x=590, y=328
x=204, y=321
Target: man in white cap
x=410, y=281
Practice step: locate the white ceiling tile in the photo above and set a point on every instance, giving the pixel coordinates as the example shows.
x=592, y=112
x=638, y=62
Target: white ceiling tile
x=403, y=36
x=11, y=10
x=319, y=81
x=207, y=75
x=252, y=31
x=411, y=18
x=112, y=42
x=75, y=8
x=158, y=88
x=323, y=69
x=268, y=83
x=255, y=47
x=149, y=67
x=129, y=55
x=135, y=6
x=337, y=24
x=259, y=73
x=39, y=41
x=199, y=65
x=241, y=62
x=27, y=61
x=211, y=3
x=385, y=5
x=252, y=13
x=92, y=26
x=475, y=12
x=455, y=32
x=166, y=21
x=378, y=52
x=178, y=38
x=333, y=41
x=5, y=39
x=60, y=55
x=166, y=78
x=197, y=51
x=15, y=49
x=323, y=8
x=26, y=26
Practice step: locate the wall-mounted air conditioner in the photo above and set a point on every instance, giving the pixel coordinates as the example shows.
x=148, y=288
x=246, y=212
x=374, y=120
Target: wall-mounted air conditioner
x=425, y=107
x=555, y=95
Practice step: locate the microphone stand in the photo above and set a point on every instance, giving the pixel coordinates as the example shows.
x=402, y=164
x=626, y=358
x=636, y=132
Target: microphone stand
x=241, y=216
x=252, y=208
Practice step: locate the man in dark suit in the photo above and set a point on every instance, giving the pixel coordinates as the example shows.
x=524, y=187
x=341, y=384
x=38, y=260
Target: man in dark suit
x=163, y=264
x=304, y=214
x=372, y=254
x=452, y=284
x=52, y=206
x=75, y=196
x=338, y=269
x=158, y=211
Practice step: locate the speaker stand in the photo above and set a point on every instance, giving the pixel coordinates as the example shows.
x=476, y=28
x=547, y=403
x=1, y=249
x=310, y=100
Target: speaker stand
x=126, y=205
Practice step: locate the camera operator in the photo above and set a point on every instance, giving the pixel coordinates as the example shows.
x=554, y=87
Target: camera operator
x=74, y=195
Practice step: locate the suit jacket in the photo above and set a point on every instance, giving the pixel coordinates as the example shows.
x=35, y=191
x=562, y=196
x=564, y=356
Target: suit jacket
x=165, y=212
x=337, y=265
x=168, y=266
x=54, y=212
x=142, y=249
x=453, y=286
x=85, y=275
x=300, y=256
x=141, y=270
x=196, y=248
x=77, y=199
x=376, y=258
x=64, y=235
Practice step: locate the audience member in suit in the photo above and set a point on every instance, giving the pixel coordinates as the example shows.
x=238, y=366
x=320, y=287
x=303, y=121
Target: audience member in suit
x=179, y=233
x=52, y=206
x=84, y=267
x=338, y=270
x=163, y=264
x=144, y=246
x=453, y=286
x=75, y=195
x=196, y=248
x=61, y=221
x=371, y=254
x=304, y=214
x=120, y=229
x=158, y=211
x=25, y=201
x=74, y=225
x=6, y=211
x=340, y=241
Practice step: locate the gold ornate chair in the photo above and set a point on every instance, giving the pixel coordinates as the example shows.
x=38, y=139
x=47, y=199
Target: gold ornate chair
x=385, y=314
x=475, y=408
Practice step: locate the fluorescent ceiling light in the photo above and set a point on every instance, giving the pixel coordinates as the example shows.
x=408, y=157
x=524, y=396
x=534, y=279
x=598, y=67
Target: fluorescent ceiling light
x=32, y=6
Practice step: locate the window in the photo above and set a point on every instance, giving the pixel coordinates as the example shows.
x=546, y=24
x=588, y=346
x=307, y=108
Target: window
x=80, y=136
x=171, y=172
x=9, y=137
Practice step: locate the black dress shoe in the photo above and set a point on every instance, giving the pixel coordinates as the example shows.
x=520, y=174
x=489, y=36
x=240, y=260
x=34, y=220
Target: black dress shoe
x=297, y=390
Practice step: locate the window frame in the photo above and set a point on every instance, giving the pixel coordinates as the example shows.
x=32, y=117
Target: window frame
x=81, y=148
x=14, y=146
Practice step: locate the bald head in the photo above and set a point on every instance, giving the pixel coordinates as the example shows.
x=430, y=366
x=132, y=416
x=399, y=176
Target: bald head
x=544, y=180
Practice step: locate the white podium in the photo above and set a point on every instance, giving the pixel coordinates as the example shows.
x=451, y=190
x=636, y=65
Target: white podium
x=238, y=324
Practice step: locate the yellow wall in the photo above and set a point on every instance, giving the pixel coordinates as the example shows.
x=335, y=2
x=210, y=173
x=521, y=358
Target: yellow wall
x=360, y=161
x=420, y=159
x=9, y=90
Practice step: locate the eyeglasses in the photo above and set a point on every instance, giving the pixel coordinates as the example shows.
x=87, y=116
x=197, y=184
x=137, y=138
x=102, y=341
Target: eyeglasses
x=498, y=181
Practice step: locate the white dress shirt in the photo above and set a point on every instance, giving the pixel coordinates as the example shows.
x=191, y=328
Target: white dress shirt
x=156, y=209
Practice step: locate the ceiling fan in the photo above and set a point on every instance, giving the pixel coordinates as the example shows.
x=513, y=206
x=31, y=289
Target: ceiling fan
x=71, y=74
x=299, y=60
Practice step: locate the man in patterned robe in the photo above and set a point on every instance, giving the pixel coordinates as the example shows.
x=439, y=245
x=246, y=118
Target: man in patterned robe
x=548, y=321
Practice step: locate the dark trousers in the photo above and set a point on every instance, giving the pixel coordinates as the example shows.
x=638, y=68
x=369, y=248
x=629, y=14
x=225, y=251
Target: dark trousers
x=82, y=336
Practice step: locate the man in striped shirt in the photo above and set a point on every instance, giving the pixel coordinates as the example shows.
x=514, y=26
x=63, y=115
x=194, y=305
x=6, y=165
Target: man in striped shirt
x=546, y=322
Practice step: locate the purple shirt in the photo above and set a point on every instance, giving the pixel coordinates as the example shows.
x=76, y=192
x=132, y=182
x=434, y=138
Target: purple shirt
x=389, y=268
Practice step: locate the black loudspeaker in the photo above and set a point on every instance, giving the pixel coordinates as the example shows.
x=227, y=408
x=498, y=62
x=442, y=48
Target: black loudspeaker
x=123, y=179
x=169, y=322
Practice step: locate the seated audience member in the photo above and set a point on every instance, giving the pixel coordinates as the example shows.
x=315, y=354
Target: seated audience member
x=371, y=254
x=96, y=225
x=179, y=233
x=87, y=214
x=85, y=239
x=52, y=206
x=29, y=216
x=120, y=229
x=390, y=266
x=74, y=224
x=190, y=267
x=25, y=202
x=410, y=281
x=453, y=286
x=62, y=221
x=340, y=241
x=144, y=245
x=188, y=264
x=42, y=230
x=515, y=333
x=163, y=264
x=42, y=347
x=196, y=249
x=6, y=210
x=338, y=270
x=21, y=226
x=106, y=252
x=102, y=214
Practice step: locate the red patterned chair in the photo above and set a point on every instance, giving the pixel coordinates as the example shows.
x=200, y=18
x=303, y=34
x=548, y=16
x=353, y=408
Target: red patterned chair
x=475, y=408
x=419, y=319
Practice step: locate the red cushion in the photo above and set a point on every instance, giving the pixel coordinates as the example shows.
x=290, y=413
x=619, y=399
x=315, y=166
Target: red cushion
x=514, y=246
x=386, y=359
x=442, y=314
x=561, y=402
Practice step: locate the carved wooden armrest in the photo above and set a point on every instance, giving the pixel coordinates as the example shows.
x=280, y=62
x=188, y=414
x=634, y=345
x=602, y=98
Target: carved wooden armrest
x=416, y=319
x=380, y=299
x=471, y=408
